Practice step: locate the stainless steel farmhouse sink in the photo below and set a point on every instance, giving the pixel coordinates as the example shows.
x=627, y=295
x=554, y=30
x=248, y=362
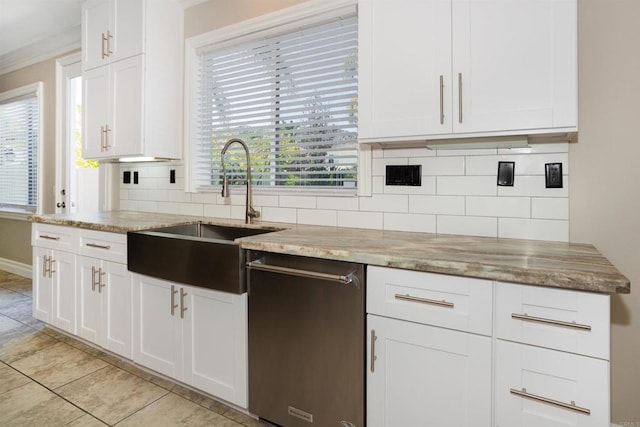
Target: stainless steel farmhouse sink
x=197, y=254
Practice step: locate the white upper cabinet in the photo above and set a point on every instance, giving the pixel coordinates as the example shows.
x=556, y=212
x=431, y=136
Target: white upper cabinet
x=132, y=61
x=437, y=69
x=112, y=31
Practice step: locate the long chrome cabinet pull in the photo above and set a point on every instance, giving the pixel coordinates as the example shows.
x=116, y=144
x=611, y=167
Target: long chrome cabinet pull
x=373, y=350
x=102, y=138
x=93, y=279
x=106, y=137
x=45, y=261
x=525, y=317
x=100, y=284
x=51, y=261
x=44, y=236
x=182, y=307
x=570, y=406
x=460, y=97
x=258, y=265
x=441, y=99
x=408, y=297
x=173, y=300
x=102, y=51
x=109, y=37
x=95, y=245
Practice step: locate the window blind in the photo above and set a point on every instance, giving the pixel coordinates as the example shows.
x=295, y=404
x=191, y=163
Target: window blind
x=292, y=98
x=19, y=123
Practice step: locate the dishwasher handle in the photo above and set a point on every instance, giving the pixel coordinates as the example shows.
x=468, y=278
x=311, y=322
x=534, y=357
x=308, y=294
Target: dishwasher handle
x=344, y=279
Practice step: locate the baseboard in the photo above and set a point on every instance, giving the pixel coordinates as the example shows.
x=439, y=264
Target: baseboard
x=15, y=267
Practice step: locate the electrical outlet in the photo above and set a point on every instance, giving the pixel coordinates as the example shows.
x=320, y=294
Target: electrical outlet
x=403, y=175
x=172, y=176
x=126, y=177
x=135, y=177
x=506, y=171
x=553, y=175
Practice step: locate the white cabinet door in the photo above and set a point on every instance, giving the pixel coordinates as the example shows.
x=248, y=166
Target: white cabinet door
x=127, y=25
x=215, y=343
x=95, y=24
x=89, y=304
x=156, y=325
x=517, y=63
x=125, y=112
x=426, y=376
x=116, y=307
x=404, y=52
x=525, y=375
x=95, y=111
x=42, y=285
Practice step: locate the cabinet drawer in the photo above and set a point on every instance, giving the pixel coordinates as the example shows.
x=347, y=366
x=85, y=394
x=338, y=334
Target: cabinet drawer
x=537, y=386
x=454, y=302
x=561, y=319
x=56, y=237
x=104, y=245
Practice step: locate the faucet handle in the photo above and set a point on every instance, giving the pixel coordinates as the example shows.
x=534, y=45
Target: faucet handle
x=253, y=214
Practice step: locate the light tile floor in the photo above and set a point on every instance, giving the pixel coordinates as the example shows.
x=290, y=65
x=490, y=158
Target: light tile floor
x=50, y=379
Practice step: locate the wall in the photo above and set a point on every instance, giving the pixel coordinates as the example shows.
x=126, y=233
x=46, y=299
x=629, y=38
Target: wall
x=16, y=235
x=605, y=178
x=458, y=195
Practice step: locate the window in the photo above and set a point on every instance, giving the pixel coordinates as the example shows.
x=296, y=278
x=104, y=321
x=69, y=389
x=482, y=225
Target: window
x=290, y=92
x=19, y=143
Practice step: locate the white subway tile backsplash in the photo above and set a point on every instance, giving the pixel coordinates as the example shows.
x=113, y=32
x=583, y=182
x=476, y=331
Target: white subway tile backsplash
x=535, y=229
x=441, y=165
x=482, y=165
x=201, y=197
x=550, y=208
x=318, y=217
x=129, y=205
x=427, y=186
x=466, y=185
x=307, y=202
x=440, y=205
x=509, y=207
x=408, y=152
x=373, y=220
x=180, y=196
x=265, y=200
x=534, y=186
x=169, y=208
x=377, y=184
x=339, y=203
x=467, y=225
x=216, y=211
x=147, y=206
x=533, y=164
x=195, y=209
x=271, y=214
x=385, y=203
x=410, y=222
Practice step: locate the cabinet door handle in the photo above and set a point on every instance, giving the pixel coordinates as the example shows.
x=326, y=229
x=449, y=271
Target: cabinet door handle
x=44, y=236
x=373, y=350
x=173, y=300
x=460, y=97
x=45, y=261
x=101, y=138
x=570, y=406
x=441, y=99
x=95, y=245
x=51, y=270
x=100, y=284
x=102, y=52
x=93, y=279
x=525, y=317
x=109, y=37
x=182, y=307
x=106, y=137
x=408, y=297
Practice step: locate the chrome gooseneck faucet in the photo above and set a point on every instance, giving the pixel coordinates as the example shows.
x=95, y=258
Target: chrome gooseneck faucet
x=249, y=213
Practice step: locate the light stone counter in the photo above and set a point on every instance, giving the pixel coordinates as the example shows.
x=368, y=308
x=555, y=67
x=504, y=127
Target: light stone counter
x=556, y=264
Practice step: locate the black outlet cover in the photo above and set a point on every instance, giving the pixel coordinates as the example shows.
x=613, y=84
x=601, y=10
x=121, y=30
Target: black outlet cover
x=506, y=171
x=135, y=177
x=126, y=177
x=403, y=175
x=172, y=176
x=553, y=175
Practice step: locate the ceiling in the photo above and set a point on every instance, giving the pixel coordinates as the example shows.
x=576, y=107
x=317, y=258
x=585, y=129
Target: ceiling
x=35, y=30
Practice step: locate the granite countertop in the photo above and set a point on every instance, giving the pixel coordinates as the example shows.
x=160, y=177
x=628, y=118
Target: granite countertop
x=555, y=264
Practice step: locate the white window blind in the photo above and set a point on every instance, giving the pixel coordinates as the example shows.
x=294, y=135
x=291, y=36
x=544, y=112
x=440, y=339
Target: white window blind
x=292, y=97
x=19, y=129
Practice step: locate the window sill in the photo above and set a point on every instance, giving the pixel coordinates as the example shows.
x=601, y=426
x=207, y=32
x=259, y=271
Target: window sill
x=15, y=214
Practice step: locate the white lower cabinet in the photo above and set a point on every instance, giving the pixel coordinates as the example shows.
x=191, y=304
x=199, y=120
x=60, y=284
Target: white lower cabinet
x=54, y=288
x=195, y=335
x=104, y=304
x=540, y=387
x=422, y=375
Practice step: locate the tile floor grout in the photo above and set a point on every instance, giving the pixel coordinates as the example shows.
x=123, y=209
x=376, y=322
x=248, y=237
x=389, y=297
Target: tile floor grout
x=218, y=414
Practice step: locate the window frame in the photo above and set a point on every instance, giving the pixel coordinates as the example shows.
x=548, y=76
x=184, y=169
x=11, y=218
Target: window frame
x=288, y=19
x=7, y=96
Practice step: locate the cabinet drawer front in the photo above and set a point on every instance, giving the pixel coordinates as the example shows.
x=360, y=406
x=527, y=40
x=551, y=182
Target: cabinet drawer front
x=537, y=386
x=435, y=299
x=561, y=319
x=104, y=245
x=56, y=237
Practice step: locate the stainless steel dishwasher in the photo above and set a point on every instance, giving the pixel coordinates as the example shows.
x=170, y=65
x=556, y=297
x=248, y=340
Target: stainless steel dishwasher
x=306, y=341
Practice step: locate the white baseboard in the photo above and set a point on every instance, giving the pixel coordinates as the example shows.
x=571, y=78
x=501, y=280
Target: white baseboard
x=15, y=267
